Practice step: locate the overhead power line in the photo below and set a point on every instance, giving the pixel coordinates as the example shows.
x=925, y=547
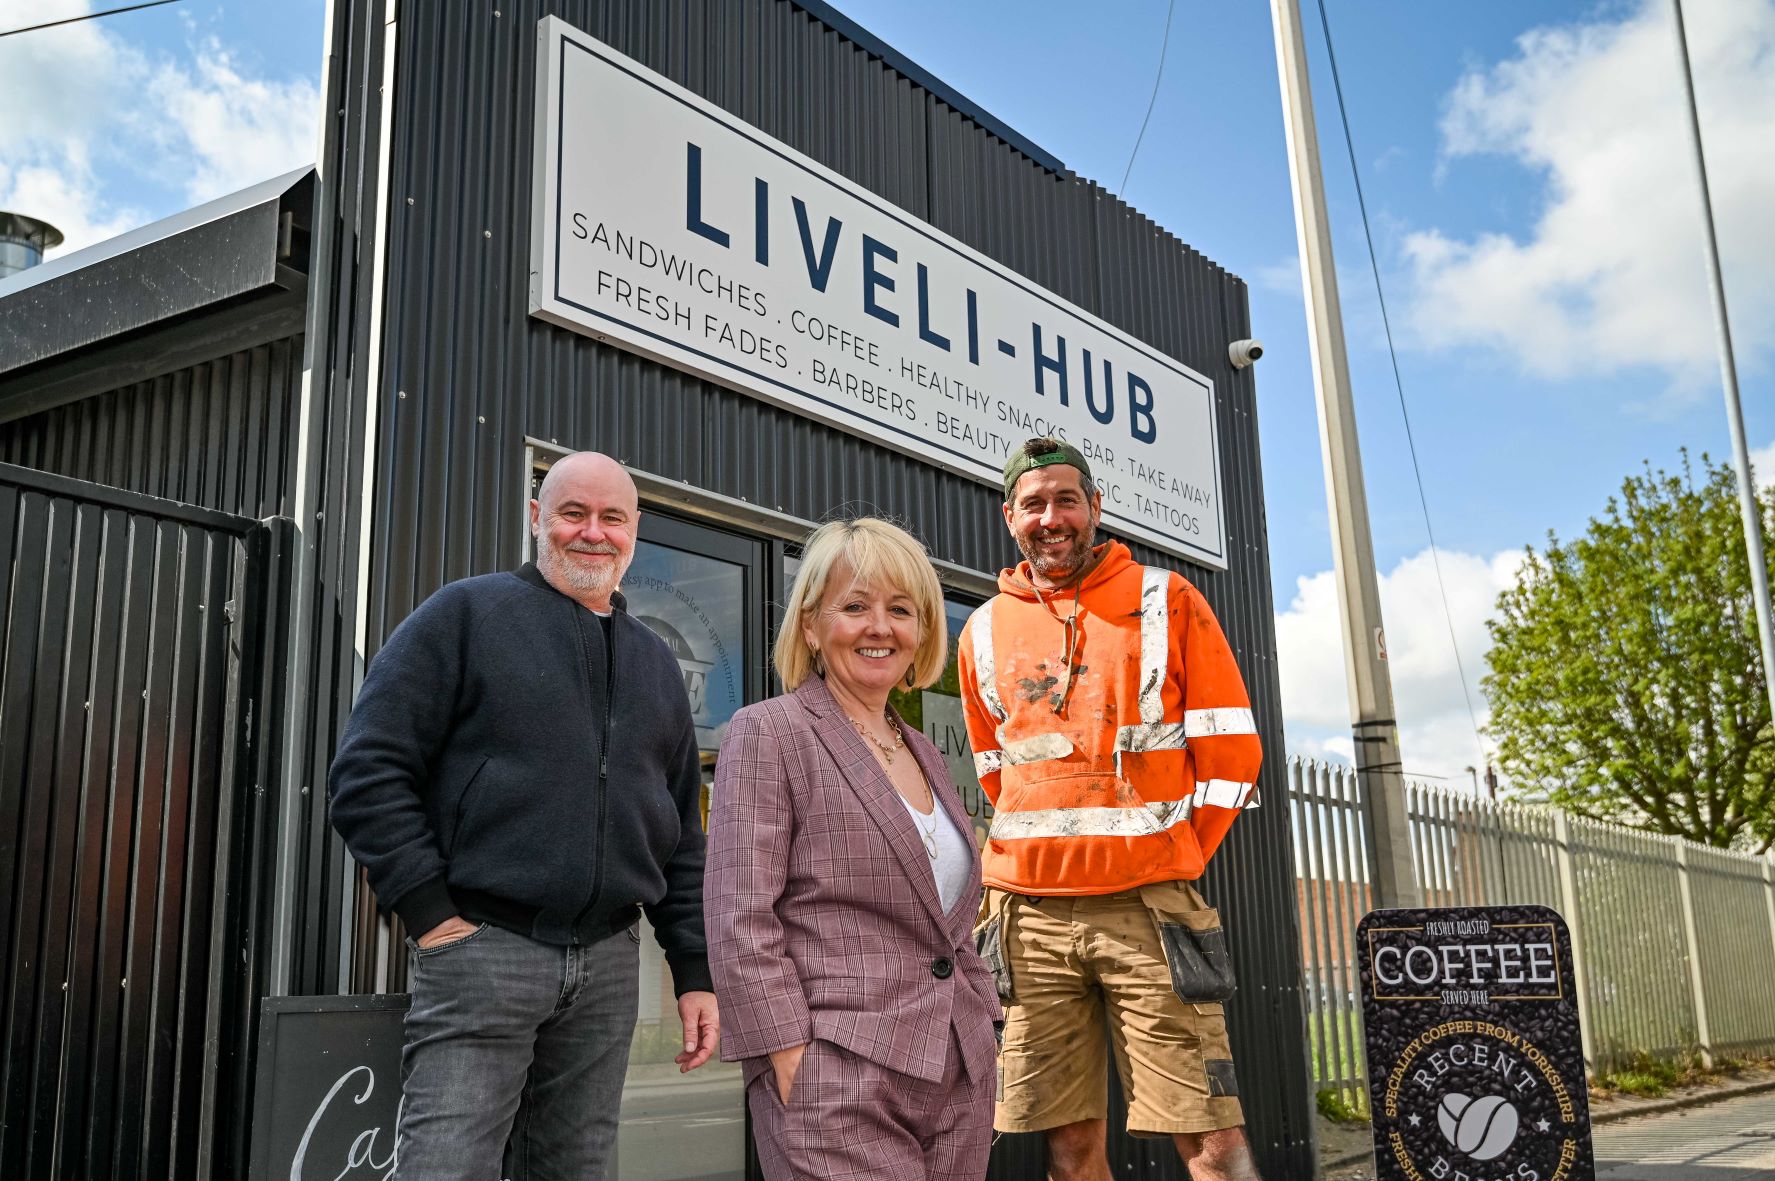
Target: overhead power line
x=89, y=16
x=1164, y=47
x=1337, y=87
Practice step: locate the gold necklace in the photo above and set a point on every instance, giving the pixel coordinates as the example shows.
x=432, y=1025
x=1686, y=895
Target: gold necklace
x=887, y=752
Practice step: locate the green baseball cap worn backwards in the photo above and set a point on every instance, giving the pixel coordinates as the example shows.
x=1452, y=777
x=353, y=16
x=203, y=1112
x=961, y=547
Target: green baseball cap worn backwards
x=1040, y=453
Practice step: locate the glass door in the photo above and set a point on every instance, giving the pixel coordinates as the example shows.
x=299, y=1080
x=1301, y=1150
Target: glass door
x=703, y=591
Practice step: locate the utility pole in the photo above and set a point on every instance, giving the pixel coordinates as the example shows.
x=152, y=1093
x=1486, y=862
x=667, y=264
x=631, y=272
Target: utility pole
x=1747, y=492
x=1375, y=729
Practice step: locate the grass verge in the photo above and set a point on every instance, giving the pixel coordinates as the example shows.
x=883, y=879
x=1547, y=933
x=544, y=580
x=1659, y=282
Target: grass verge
x=1339, y=1110
x=1653, y=1078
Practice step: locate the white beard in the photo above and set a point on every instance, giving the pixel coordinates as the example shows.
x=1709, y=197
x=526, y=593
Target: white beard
x=560, y=570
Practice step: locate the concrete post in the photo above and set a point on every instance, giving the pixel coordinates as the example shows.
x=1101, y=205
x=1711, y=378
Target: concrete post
x=1692, y=946
x=1568, y=899
x=1769, y=898
x=1372, y=719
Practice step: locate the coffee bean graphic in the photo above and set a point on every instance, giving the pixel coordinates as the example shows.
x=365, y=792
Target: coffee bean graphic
x=1486, y=1128
x=1448, y=1115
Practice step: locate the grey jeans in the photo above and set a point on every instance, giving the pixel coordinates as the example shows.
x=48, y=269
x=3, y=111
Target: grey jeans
x=514, y=1058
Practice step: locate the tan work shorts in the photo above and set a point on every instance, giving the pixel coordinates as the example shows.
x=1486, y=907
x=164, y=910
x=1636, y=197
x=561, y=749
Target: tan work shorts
x=1062, y=963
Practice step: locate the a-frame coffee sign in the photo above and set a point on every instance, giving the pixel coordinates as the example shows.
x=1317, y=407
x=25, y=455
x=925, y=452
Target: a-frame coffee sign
x=1475, y=1064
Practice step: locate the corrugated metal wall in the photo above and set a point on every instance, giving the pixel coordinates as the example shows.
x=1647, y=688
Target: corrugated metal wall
x=214, y=434
x=127, y=677
x=467, y=374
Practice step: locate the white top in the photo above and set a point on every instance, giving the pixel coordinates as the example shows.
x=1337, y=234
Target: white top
x=954, y=860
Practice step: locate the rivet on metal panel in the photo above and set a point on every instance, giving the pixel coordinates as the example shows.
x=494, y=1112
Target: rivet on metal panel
x=304, y=789
x=125, y=983
x=64, y=986
x=88, y=707
x=228, y=610
x=480, y=418
x=144, y=694
x=409, y=200
x=486, y=233
x=402, y=394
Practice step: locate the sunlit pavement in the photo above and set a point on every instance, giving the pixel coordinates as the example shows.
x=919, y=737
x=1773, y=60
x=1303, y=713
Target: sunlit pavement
x=1729, y=1141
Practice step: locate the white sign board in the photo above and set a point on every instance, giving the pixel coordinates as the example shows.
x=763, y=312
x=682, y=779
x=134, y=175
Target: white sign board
x=667, y=226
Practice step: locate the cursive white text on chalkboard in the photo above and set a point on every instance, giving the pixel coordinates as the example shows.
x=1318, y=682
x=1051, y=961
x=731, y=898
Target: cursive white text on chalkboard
x=362, y=1154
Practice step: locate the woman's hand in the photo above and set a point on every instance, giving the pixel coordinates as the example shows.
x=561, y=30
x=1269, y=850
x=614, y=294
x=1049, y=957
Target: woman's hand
x=786, y=1063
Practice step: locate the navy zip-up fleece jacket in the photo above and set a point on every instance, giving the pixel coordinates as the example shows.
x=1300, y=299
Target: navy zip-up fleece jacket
x=504, y=763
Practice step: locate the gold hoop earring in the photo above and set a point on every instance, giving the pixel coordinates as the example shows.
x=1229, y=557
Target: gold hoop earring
x=909, y=676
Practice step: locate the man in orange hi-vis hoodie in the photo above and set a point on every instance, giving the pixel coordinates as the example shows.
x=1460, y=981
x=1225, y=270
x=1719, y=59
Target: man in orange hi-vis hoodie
x=1113, y=734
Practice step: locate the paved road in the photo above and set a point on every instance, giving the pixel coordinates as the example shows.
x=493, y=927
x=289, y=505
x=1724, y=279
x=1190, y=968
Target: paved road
x=1729, y=1141
x=682, y=1127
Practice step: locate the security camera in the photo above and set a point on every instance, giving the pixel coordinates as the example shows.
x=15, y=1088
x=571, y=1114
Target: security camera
x=1243, y=352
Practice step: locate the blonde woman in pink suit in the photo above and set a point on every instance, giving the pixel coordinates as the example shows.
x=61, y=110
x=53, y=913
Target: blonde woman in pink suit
x=842, y=885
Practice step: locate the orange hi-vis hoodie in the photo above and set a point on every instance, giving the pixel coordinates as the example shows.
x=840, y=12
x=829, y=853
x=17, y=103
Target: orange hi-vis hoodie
x=1130, y=766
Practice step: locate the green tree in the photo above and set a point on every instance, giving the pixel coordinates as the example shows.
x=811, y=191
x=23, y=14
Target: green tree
x=1626, y=683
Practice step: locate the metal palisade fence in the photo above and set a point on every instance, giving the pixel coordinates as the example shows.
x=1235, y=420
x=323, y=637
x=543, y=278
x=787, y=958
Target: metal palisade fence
x=1673, y=942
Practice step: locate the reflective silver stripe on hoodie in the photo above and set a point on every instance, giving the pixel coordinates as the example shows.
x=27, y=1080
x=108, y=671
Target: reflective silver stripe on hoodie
x=1158, y=736
x=1153, y=732
x=1226, y=719
x=1155, y=627
x=985, y=664
x=1090, y=822
x=1036, y=748
x=1225, y=793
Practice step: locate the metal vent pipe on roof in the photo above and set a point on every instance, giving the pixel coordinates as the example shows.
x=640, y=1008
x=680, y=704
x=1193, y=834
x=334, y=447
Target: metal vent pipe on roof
x=23, y=241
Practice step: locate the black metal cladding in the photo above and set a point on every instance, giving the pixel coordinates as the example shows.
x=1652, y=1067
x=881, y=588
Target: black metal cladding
x=467, y=374
x=215, y=434
x=126, y=833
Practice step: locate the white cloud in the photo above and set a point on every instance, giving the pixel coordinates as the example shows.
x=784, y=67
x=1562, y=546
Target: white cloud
x=1762, y=465
x=1611, y=275
x=1435, y=729
x=69, y=199
x=55, y=84
x=1281, y=277
x=236, y=130
x=101, y=137
x=1331, y=748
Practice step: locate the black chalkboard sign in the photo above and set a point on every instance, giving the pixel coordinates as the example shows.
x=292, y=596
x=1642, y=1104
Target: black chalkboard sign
x=327, y=1088
x=1475, y=1065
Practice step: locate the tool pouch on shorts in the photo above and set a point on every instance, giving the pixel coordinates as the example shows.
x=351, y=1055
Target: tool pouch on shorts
x=1195, y=944
x=990, y=938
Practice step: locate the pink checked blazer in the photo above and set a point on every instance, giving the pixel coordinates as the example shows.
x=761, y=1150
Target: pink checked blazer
x=822, y=913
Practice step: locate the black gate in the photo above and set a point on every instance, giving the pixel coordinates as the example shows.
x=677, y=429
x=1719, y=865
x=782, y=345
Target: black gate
x=129, y=640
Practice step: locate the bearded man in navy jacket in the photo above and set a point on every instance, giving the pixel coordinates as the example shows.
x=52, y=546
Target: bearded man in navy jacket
x=520, y=780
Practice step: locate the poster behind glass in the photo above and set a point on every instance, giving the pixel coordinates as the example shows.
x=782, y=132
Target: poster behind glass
x=697, y=605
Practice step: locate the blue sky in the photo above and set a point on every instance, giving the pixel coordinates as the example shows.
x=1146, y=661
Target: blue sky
x=1530, y=196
